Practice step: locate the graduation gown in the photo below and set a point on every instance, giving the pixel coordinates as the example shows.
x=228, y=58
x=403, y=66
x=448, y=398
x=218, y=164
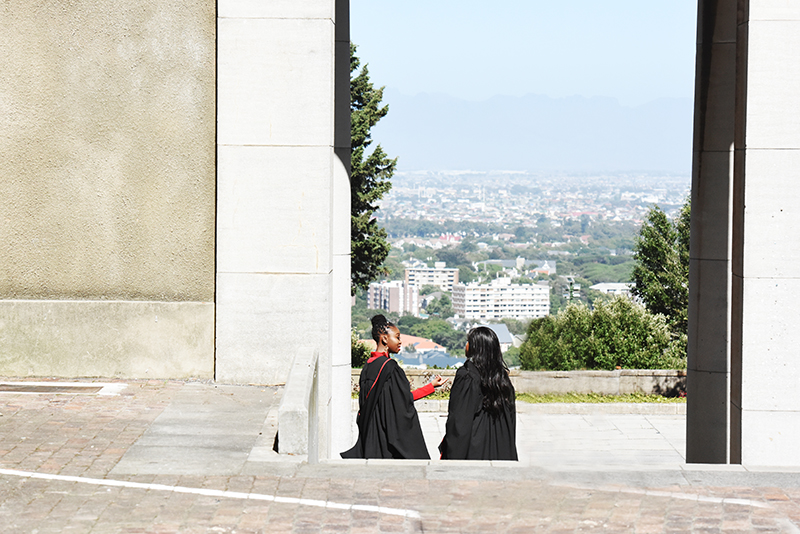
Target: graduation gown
x=470, y=432
x=388, y=424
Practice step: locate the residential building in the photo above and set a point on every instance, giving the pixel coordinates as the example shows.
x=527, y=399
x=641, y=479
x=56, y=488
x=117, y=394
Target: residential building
x=503, y=335
x=439, y=276
x=419, y=344
x=395, y=296
x=613, y=288
x=501, y=298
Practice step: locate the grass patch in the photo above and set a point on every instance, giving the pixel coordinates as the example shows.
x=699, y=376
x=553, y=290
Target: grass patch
x=597, y=398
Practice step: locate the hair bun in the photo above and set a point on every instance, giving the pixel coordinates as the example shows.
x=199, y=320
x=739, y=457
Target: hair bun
x=379, y=320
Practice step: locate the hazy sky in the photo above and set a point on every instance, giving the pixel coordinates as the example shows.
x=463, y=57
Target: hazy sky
x=633, y=50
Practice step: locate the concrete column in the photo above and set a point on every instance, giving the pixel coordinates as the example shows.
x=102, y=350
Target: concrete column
x=281, y=212
x=708, y=380
x=765, y=398
x=340, y=407
x=744, y=404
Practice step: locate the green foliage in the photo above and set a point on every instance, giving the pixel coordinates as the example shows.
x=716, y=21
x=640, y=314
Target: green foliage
x=517, y=327
x=619, y=333
x=441, y=307
x=427, y=289
x=369, y=177
x=511, y=357
x=438, y=330
x=661, y=271
x=453, y=256
x=359, y=353
x=466, y=274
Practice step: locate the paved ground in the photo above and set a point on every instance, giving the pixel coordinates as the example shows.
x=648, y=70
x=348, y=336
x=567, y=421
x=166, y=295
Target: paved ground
x=174, y=457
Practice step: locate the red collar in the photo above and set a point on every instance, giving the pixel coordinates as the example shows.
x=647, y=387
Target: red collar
x=376, y=355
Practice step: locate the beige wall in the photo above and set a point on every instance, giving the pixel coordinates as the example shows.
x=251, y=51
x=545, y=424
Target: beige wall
x=107, y=188
x=107, y=178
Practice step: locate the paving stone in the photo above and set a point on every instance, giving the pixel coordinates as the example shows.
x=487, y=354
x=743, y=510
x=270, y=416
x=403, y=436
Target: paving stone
x=598, y=492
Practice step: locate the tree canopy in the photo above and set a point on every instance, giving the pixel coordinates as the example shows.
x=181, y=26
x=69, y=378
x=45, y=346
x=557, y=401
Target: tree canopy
x=369, y=177
x=661, y=269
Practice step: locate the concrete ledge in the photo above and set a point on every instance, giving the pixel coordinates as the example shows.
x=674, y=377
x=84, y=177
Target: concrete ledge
x=297, y=418
x=119, y=339
x=579, y=408
x=619, y=382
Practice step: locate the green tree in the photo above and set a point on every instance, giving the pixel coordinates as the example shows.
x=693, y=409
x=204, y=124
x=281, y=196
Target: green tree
x=452, y=256
x=441, y=307
x=661, y=269
x=427, y=289
x=466, y=274
x=369, y=177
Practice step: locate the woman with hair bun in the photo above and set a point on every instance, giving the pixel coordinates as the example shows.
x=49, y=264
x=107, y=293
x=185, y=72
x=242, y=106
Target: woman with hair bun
x=481, y=419
x=388, y=424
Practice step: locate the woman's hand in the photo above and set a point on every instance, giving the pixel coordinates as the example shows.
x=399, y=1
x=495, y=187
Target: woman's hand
x=438, y=380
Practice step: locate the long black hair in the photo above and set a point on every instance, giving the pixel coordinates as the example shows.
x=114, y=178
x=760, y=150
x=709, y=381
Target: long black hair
x=380, y=325
x=485, y=354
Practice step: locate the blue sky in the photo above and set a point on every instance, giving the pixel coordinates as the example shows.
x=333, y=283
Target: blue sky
x=633, y=50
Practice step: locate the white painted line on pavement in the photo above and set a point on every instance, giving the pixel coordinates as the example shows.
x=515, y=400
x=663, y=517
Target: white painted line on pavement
x=106, y=388
x=411, y=514
x=670, y=495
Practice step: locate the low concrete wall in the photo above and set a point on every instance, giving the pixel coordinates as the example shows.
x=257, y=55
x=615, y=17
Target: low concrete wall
x=619, y=382
x=297, y=413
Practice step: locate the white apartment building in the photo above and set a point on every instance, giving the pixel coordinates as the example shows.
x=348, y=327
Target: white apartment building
x=612, y=288
x=500, y=299
x=395, y=296
x=439, y=276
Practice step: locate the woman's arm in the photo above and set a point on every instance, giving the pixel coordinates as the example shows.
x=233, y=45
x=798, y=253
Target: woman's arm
x=428, y=388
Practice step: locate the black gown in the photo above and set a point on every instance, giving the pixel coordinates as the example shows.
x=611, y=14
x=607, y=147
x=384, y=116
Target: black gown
x=471, y=433
x=388, y=424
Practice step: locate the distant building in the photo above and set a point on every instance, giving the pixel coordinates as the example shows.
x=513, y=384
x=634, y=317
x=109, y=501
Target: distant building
x=426, y=360
x=395, y=296
x=500, y=299
x=612, y=288
x=419, y=344
x=503, y=335
x=439, y=276
x=522, y=265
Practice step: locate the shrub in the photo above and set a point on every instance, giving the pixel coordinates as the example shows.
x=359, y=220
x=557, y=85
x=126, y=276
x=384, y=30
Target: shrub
x=619, y=333
x=359, y=353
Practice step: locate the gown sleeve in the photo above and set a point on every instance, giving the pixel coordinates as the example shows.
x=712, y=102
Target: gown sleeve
x=424, y=391
x=466, y=401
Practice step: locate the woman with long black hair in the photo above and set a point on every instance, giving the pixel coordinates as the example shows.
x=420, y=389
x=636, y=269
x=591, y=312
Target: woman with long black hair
x=482, y=418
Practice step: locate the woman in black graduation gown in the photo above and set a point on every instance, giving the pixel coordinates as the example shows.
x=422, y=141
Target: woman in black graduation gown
x=481, y=420
x=388, y=424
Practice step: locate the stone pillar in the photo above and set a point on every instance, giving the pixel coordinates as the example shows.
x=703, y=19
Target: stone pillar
x=340, y=406
x=707, y=420
x=765, y=397
x=744, y=278
x=283, y=196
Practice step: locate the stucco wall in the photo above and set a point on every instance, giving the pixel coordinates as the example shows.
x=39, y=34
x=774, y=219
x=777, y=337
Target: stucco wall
x=107, y=153
x=107, y=188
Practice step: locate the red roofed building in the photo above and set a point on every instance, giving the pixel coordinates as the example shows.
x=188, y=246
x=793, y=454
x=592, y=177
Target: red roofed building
x=420, y=344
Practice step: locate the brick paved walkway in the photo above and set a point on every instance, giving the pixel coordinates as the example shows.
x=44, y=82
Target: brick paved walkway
x=86, y=436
